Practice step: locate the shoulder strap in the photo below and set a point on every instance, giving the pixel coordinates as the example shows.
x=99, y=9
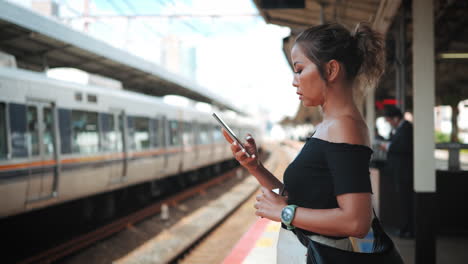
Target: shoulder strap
x=381, y=240
x=302, y=237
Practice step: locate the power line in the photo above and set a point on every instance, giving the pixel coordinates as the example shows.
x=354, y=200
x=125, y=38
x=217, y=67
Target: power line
x=121, y=14
x=79, y=13
x=65, y=3
x=178, y=16
x=116, y=7
x=130, y=6
x=187, y=24
x=181, y=17
x=149, y=28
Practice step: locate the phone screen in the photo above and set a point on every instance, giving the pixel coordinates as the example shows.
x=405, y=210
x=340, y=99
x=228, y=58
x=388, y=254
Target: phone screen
x=230, y=132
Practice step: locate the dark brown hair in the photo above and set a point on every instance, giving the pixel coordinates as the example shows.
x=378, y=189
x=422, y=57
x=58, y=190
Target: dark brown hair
x=361, y=53
x=392, y=111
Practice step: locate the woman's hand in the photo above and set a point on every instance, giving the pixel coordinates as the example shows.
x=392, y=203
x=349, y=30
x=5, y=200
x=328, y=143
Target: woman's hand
x=270, y=205
x=251, y=163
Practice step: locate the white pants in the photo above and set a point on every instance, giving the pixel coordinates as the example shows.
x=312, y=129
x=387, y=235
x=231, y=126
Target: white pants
x=289, y=249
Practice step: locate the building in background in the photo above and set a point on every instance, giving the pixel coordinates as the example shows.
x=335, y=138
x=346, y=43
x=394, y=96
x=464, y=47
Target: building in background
x=179, y=56
x=46, y=7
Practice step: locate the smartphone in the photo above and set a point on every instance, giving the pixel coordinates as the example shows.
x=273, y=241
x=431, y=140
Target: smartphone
x=231, y=133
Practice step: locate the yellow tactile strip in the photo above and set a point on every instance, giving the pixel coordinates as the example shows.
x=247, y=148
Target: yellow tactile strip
x=218, y=245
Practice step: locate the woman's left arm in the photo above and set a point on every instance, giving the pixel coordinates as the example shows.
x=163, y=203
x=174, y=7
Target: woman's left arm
x=352, y=218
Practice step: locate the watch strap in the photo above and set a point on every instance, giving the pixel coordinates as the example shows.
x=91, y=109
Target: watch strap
x=288, y=224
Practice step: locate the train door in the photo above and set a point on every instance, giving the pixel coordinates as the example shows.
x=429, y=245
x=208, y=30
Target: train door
x=189, y=151
x=196, y=143
x=42, y=141
x=119, y=143
x=157, y=142
x=174, y=148
x=165, y=141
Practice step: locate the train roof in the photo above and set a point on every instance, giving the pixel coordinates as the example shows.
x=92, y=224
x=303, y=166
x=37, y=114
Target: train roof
x=30, y=76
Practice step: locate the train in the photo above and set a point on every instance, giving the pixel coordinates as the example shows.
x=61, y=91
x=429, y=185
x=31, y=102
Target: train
x=62, y=141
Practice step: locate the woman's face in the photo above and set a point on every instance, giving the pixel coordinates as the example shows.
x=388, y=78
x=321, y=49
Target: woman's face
x=307, y=80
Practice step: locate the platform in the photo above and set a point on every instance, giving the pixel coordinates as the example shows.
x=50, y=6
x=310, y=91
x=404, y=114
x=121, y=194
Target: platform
x=258, y=246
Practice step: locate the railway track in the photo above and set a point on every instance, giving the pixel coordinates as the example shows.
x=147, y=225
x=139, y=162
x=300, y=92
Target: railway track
x=85, y=240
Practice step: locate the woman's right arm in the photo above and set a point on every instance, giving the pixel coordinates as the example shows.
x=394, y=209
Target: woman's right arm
x=266, y=178
x=252, y=163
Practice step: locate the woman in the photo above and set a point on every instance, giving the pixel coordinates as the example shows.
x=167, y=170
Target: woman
x=327, y=191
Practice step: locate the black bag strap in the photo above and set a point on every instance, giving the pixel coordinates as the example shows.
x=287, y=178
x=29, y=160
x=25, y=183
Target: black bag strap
x=305, y=240
x=381, y=240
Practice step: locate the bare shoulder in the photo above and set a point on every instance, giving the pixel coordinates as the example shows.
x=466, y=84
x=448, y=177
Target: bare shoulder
x=347, y=129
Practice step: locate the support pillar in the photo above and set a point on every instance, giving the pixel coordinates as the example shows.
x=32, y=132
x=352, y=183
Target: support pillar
x=400, y=45
x=424, y=101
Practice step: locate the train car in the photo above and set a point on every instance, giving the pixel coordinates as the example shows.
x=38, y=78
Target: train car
x=62, y=141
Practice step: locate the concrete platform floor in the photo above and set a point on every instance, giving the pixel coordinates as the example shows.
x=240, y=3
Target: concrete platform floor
x=449, y=249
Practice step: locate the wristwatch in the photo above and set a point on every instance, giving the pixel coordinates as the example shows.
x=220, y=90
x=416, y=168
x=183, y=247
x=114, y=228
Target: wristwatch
x=287, y=215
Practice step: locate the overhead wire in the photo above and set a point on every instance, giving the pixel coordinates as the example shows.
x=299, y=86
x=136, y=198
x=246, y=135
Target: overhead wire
x=115, y=6
x=183, y=21
x=148, y=27
x=76, y=12
x=170, y=4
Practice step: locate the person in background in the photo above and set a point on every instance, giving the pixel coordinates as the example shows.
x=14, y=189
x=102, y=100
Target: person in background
x=400, y=166
x=377, y=135
x=326, y=189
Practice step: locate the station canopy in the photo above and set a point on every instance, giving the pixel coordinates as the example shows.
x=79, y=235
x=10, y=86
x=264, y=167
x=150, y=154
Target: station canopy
x=301, y=14
x=387, y=17
x=39, y=43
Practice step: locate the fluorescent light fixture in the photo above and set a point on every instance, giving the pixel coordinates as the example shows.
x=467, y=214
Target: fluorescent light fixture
x=453, y=55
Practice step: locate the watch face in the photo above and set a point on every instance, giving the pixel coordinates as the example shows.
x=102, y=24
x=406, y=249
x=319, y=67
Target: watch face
x=287, y=214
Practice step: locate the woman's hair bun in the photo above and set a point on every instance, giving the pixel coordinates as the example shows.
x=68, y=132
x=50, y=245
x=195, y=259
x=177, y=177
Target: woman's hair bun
x=371, y=45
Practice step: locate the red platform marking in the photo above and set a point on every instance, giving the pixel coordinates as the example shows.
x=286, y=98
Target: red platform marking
x=247, y=242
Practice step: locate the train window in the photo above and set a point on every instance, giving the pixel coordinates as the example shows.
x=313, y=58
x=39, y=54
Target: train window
x=141, y=135
x=65, y=130
x=217, y=134
x=121, y=132
x=155, y=133
x=187, y=136
x=173, y=133
x=48, y=136
x=92, y=98
x=3, y=132
x=109, y=135
x=33, y=129
x=196, y=132
x=131, y=132
x=204, y=134
x=85, y=132
x=79, y=97
x=18, y=128
x=138, y=133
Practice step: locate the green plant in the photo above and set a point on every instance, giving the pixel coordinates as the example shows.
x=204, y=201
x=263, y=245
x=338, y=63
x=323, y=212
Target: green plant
x=441, y=137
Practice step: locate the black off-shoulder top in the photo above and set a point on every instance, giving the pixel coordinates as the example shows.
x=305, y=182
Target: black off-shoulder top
x=323, y=170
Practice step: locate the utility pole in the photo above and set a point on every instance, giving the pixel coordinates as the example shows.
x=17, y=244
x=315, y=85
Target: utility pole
x=86, y=16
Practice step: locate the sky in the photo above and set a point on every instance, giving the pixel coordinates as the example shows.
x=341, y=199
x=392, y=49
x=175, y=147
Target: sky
x=238, y=55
